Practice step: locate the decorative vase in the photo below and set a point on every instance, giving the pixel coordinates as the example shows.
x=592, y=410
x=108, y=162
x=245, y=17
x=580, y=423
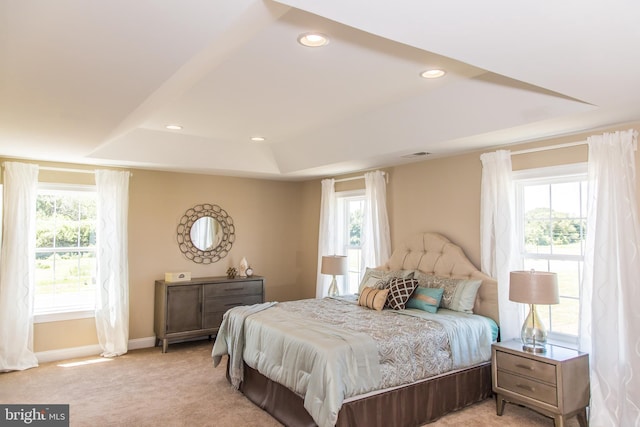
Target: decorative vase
x=242, y=269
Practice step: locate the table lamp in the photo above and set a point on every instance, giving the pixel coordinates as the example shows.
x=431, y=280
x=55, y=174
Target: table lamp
x=336, y=265
x=533, y=287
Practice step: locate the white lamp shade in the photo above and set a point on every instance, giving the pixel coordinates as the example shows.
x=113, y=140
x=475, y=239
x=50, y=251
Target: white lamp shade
x=533, y=287
x=334, y=264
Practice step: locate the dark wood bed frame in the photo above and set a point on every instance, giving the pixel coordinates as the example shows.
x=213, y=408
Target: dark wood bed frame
x=408, y=406
x=414, y=404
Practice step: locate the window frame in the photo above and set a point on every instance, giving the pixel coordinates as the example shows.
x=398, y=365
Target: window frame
x=342, y=205
x=71, y=313
x=548, y=176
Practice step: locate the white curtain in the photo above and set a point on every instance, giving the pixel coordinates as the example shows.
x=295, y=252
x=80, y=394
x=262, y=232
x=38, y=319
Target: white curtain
x=327, y=233
x=112, y=303
x=497, y=235
x=376, y=240
x=610, y=314
x=17, y=267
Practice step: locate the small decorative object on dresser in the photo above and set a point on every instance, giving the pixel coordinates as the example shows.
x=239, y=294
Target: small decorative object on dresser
x=231, y=273
x=554, y=383
x=195, y=308
x=249, y=271
x=242, y=268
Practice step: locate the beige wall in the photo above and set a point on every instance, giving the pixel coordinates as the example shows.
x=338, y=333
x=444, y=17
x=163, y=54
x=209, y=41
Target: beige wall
x=266, y=215
x=277, y=225
x=443, y=194
x=268, y=220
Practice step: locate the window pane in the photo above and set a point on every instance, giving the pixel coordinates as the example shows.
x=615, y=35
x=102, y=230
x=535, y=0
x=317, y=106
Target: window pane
x=553, y=218
x=565, y=199
x=537, y=236
x=45, y=280
x=569, y=274
x=565, y=316
x=536, y=197
x=66, y=234
x=44, y=234
x=65, y=250
x=355, y=222
x=350, y=209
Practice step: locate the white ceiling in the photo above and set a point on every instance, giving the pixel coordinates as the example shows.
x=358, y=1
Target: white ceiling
x=96, y=82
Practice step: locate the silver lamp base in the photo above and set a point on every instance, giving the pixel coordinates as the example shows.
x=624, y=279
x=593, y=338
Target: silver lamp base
x=534, y=348
x=333, y=288
x=533, y=334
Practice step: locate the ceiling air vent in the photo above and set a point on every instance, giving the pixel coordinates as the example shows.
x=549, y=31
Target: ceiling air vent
x=415, y=155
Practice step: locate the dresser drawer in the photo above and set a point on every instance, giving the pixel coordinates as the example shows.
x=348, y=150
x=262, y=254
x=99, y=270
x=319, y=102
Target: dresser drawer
x=249, y=287
x=526, y=367
x=528, y=387
x=214, y=309
x=225, y=303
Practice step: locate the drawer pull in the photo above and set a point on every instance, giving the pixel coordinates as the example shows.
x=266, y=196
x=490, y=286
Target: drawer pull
x=526, y=387
x=233, y=289
x=527, y=367
x=233, y=304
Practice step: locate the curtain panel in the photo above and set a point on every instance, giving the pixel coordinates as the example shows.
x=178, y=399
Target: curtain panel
x=611, y=288
x=376, y=239
x=326, y=233
x=497, y=235
x=112, y=302
x=17, y=267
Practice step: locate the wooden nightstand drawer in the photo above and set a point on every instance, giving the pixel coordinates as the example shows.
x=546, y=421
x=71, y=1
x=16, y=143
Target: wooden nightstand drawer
x=528, y=387
x=526, y=367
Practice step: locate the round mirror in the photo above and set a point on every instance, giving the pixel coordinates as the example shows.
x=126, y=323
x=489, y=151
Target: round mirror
x=205, y=233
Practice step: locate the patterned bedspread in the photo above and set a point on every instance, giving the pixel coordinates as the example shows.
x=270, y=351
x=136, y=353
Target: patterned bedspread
x=409, y=348
x=325, y=349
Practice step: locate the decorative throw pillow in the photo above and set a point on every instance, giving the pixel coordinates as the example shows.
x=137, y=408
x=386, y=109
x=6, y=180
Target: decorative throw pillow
x=426, y=299
x=400, y=290
x=373, y=298
x=379, y=279
x=458, y=295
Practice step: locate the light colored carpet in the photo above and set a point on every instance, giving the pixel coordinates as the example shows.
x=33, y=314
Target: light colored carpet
x=181, y=388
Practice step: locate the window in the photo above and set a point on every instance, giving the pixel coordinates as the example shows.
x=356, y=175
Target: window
x=551, y=222
x=65, y=264
x=350, y=211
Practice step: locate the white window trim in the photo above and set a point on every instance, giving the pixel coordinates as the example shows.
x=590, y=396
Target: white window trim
x=66, y=187
x=342, y=198
x=547, y=175
x=59, y=315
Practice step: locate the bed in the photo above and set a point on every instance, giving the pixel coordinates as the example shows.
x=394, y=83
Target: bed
x=345, y=373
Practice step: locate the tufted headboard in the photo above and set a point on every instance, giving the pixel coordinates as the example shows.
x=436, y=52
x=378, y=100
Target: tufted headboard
x=433, y=253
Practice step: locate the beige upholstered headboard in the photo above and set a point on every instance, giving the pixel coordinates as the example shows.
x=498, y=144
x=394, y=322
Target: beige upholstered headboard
x=433, y=253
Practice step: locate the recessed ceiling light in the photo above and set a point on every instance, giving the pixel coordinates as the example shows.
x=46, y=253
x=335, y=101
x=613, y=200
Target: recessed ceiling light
x=313, y=39
x=258, y=138
x=433, y=74
x=173, y=127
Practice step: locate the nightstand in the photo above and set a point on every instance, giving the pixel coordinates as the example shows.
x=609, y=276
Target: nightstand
x=555, y=383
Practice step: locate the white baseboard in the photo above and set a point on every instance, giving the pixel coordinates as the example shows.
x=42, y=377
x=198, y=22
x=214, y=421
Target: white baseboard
x=88, y=350
x=142, y=343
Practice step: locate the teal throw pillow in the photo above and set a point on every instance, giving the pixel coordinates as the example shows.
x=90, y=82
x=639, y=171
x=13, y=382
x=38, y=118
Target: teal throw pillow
x=426, y=299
